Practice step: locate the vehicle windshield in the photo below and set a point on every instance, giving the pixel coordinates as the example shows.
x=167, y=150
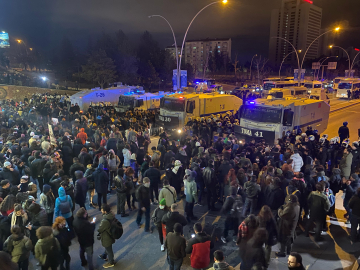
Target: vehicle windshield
x=269, y=86
x=308, y=85
x=172, y=104
x=317, y=85
x=337, y=80
x=126, y=101
x=261, y=114
x=345, y=85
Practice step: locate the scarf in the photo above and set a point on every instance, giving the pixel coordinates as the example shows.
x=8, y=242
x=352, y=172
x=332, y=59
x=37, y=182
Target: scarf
x=176, y=167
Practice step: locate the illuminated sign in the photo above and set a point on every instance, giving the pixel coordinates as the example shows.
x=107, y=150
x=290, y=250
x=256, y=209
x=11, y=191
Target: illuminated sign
x=356, y=49
x=309, y=1
x=4, y=40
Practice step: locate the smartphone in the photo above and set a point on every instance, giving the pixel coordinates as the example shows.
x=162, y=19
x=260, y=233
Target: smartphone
x=193, y=236
x=94, y=219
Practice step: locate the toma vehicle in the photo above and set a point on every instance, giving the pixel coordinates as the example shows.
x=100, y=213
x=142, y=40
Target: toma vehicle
x=177, y=109
x=270, y=119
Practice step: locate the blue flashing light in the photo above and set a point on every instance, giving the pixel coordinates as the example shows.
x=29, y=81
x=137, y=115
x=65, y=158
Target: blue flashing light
x=252, y=102
x=197, y=82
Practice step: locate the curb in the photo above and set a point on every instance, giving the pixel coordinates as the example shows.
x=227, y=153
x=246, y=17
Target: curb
x=353, y=104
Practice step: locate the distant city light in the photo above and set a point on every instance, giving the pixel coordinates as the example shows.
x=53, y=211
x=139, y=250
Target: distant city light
x=44, y=78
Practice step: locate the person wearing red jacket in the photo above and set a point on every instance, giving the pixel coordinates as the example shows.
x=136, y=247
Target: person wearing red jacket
x=199, y=247
x=82, y=136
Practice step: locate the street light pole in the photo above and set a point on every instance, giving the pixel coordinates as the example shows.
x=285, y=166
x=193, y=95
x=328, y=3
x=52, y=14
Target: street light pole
x=332, y=46
x=353, y=63
x=251, y=64
x=302, y=62
x=187, y=30
x=283, y=61
x=297, y=55
x=176, y=47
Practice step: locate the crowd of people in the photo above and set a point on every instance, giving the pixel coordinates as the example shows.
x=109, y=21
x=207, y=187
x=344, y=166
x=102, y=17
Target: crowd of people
x=263, y=191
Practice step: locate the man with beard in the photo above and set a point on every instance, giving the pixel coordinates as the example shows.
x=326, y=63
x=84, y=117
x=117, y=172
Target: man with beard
x=295, y=261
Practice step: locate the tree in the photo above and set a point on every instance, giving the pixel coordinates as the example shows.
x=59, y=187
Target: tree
x=99, y=69
x=67, y=60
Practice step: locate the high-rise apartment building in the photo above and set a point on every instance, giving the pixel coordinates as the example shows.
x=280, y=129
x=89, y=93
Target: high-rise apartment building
x=172, y=51
x=299, y=22
x=197, y=52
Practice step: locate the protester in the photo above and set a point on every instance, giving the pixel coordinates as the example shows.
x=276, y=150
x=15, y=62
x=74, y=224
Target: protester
x=173, y=217
x=64, y=237
x=143, y=197
x=85, y=233
x=199, y=247
x=105, y=236
x=156, y=217
x=175, y=245
x=47, y=249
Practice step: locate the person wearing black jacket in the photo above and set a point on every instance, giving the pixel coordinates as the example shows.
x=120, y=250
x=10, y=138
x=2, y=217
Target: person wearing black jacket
x=274, y=196
x=48, y=172
x=55, y=182
x=120, y=192
x=81, y=188
x=4, y=189
x=173, y=217
x=77, y=166
x=64, y=237
x=209, y=178
x=344, y=132
x=9, y=173
x=154, y=175
x=101, y=181
x=143, y=197
x=195, y=166
x=85, y=233
x=37, y=167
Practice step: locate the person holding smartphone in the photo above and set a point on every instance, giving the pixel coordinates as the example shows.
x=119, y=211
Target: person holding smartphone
x=84, y=230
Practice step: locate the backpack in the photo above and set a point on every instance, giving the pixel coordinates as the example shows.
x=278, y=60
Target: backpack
x=116, y=229
x=65, y=206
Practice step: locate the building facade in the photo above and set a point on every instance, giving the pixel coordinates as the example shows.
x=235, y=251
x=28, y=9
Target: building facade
x=172, y=51
x=197, y=52
x=299, y=22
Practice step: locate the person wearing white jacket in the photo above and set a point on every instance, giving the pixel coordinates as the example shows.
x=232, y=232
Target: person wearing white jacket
x=297, y=161
x=127, y=155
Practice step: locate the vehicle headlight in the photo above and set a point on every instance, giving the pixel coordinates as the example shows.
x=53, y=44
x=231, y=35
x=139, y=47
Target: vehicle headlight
x=179, y=131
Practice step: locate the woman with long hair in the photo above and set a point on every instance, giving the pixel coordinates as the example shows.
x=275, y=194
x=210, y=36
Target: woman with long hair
x=267, y=221
x=64, y=236
x=230, y=180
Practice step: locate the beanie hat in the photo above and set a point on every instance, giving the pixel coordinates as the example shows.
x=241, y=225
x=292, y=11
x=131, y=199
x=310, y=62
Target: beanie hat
x=177, y=163
x=162, y=202
x=46, y=188
x=7, y=163
x=188, y=172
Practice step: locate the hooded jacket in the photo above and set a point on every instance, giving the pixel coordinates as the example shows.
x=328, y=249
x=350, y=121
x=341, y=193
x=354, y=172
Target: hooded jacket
x=62, y=198
x=84, y=231
x=19, y=246
x=169, y=194
x=297, y=162
x=101, y=180
x=289, y=215
x=81, y=188
x=46, y=252
x=190, y=188
x=319, y=205
x=82, y=136
x=104, y=229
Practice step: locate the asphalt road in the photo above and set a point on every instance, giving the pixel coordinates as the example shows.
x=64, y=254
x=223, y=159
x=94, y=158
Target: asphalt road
x=336, y=119
x=139, y=250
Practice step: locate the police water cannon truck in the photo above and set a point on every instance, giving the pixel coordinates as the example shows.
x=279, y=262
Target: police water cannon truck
x=270, y=119
x=139, y=100
x=179, y=108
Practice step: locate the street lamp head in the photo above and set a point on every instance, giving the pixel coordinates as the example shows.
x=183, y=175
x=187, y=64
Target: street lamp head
x=337, y=28
x=299, y=51
x=225, y=1
x=19, y=40
x=330, y=46
x=150, y=16
x=30, y=49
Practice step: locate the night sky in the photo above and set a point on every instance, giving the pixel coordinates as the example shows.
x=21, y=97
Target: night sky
x=43, y=23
